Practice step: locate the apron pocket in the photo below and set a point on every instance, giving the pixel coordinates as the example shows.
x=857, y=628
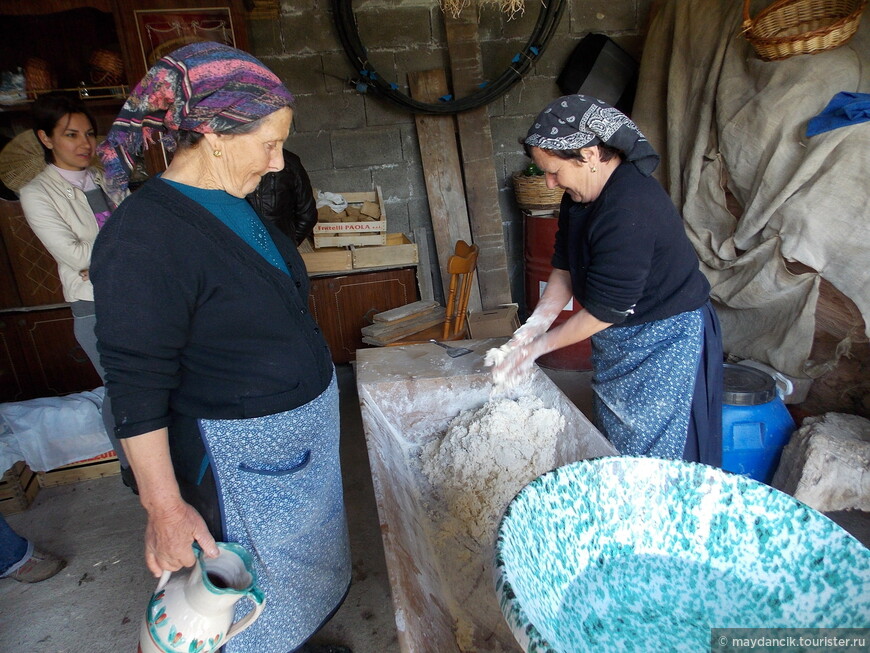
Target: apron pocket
x=294, y=467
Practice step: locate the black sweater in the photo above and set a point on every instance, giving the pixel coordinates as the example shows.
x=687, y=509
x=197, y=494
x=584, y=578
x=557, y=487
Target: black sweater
x=628, y=254
x=191, y=320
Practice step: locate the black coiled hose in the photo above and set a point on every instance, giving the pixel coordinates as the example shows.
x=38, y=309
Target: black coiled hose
x=345, y=21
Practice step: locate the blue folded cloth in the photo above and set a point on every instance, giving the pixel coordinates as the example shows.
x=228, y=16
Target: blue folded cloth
x=843, y=109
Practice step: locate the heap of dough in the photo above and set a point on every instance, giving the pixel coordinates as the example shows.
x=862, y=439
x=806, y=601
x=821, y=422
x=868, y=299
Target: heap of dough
x=485, y=457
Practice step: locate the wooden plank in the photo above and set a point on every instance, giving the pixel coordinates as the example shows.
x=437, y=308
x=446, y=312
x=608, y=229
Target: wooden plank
x=98, y=467
x=381, y=329
x=441, y=169
x=405, y=312
x=424, y=266
x=481, y=186
x=382, y=334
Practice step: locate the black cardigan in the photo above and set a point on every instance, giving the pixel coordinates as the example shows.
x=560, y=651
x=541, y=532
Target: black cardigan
x=628, y=254
x=191, y=320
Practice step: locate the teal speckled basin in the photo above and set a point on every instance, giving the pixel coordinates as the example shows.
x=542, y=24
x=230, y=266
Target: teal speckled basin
x=624, y=554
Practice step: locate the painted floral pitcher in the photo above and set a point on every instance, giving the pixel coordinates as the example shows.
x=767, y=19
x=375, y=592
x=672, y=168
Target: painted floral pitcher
x=191, y=611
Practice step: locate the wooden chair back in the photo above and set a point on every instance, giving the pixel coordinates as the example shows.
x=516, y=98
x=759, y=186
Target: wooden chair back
x=461, y=267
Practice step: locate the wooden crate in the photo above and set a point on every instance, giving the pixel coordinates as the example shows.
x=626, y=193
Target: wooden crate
x=341, y=234
x=398, y=250
x=18, y=487
x=327, y=259
x=105, y=464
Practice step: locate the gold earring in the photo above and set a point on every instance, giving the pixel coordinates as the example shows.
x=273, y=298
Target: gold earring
x=593, y=169
x=218, y=153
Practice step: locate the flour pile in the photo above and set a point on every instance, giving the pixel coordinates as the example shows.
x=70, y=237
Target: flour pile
x=485, y=457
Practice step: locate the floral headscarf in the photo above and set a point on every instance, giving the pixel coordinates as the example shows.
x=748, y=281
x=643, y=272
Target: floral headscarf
x=204, y=87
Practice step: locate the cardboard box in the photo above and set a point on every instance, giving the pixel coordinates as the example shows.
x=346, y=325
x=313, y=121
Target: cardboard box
x=106, y=464
x=18, y=488
x=494, y=323
x=355, y=232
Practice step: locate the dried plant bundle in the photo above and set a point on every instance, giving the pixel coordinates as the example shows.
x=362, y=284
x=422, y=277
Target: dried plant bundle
x=510, y=7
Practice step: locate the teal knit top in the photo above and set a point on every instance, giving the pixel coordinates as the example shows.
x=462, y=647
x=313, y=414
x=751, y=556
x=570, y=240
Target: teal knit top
x=238, y=215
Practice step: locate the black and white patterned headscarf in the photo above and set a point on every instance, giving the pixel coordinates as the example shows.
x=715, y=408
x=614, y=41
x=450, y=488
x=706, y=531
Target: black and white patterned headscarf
x=574, y=121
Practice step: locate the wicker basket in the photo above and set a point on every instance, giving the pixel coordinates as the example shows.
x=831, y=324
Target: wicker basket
x=107, y=69
x=532, y=192
x=21, y=160
x=790, y=27
x=38, y=76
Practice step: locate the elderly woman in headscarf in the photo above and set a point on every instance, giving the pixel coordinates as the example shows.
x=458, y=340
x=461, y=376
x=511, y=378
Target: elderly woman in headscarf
x=223, y=388
x=622, y=252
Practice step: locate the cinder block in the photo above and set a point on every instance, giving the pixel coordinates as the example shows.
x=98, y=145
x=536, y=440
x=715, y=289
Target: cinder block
x=521, y=25
x=265, y=36
x=418, y=213
x=337, y=71
x=603, y=16
x=301, y=74
x=309, y=31
x=530, y=96
x=560, y=48
x=330, y=113
x=507, y=132
x=336, y=180
x=313, y=149
x=394, y=26
x=424, y=57
x=357, y=147
x=380, y=113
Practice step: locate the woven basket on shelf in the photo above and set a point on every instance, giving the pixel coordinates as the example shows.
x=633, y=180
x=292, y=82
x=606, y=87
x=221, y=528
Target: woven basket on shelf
x=107, y=68
x=38, y=76
x=790, y=27
x=532, y=192
x=21, y=160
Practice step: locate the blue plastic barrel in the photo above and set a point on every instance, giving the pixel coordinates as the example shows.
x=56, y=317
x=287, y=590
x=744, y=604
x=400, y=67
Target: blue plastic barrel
x=756, y=425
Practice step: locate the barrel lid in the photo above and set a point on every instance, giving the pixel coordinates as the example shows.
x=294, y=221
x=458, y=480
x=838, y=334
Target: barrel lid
x=747, y=386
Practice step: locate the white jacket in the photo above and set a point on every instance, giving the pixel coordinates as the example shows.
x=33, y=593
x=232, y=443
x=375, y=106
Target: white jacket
x=60, y=216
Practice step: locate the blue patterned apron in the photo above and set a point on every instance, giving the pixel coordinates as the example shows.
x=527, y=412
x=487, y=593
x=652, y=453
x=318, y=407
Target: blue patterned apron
x=644, y=380
x=279, y=484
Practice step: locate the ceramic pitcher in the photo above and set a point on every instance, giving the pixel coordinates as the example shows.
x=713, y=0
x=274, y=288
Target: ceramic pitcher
x=191, y=611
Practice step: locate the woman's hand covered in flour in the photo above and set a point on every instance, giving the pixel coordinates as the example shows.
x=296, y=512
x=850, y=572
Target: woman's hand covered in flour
x=535, y=326
x=169, y=536
x=512, y=362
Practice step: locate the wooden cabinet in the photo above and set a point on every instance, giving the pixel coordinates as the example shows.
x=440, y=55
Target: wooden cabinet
x=344, y=303
x=32, y=279
x=39, y=356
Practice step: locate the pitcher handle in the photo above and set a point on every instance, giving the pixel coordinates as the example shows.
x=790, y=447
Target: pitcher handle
x=259, y=600
x=164, y=578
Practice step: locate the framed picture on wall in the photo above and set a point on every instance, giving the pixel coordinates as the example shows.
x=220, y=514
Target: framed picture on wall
x=161, y=31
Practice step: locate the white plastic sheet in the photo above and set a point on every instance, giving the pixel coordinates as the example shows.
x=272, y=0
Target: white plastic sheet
x=54, y=431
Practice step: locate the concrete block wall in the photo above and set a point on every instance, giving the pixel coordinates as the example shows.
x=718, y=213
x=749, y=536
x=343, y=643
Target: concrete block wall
x=352, y=141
